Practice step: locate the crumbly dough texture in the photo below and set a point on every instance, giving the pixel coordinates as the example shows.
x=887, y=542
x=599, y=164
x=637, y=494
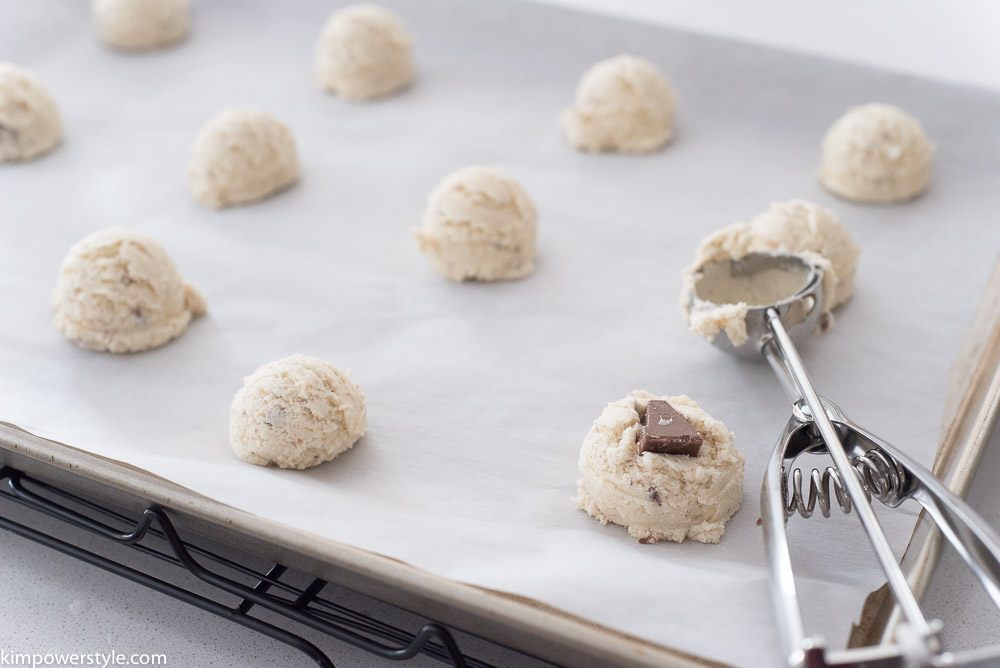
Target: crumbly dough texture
x=364, y=53
x=242, y=155
x=622, y=104
x=479, y=225
x=795, y=226
x=119, y=291
x=29, y=119
x=708, y=321
x=141, y=25
x=659, y=496
x=876, y=153
x=295, y=413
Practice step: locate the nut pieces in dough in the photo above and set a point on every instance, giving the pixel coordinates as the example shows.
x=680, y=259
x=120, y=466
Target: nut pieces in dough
x=479, y=225
x=295, y=413
x=364, y=53
x=242, y=155
x=622, y=104
x=795, y=226
x=876, y=153
x=29, y=119
x=659, y=496
x=142, y=25
x=119, y=291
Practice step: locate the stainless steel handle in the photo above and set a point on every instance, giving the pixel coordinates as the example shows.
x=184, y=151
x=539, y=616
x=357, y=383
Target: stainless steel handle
x=974, y=540
x=883, y=552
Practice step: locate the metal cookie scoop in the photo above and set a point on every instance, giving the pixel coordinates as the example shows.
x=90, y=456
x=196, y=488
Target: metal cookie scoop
x=789, y=284
x=864, y=466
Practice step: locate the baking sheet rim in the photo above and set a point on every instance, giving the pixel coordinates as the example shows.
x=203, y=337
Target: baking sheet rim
x=968, y=422
x=550, y=631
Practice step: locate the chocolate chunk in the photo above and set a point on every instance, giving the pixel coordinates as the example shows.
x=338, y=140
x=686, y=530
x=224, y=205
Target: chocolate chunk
x=654, y=496
x=665, y=431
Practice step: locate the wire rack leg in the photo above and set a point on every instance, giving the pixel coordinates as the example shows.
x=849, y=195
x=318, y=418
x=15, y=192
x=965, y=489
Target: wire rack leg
x=173, y=591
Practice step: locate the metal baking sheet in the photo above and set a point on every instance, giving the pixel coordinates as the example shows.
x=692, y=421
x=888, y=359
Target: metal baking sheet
x=968, y=423
x=480, y=394
x=511, y=621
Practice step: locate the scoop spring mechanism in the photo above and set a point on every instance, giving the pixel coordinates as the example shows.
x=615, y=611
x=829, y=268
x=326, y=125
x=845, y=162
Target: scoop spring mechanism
x=864, y=466
x=878, y=473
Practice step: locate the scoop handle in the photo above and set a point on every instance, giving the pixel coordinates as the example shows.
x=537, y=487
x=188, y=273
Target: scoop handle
x=975, y=541
x=791, y=371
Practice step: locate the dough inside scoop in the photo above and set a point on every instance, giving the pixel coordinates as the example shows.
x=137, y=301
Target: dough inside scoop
x=719, y=294
x=757, y=280
x=795, y=227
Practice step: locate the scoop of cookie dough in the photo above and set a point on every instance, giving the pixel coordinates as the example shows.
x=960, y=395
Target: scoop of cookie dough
x=295, y=413
x=659, y=496
x=364, y=53
x=242, y=155
x=622, y=104
x=119, y=291
x=29, y=120
x=795, y=226
x=479, y=225
x=876, y=153
x=142, y=25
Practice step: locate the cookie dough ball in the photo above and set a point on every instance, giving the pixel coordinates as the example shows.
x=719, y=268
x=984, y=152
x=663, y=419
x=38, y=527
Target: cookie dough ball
x=364, y=53
x=659, y=496
x=29, y=120
x=142, y=25
x=295, y=413
x=479, y=225
x=242, y=155
x=119, y=291
x=622, y=104
x=798, y=226
x=876, y=153
x=795, y=226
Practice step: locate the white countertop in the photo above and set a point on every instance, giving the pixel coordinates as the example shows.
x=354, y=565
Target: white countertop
x=954, y=41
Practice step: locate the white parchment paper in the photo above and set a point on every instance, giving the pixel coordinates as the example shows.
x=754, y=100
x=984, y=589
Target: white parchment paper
x=479, y=395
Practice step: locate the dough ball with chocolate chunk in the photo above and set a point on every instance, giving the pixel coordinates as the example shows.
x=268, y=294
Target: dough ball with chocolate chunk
x=29, y=119
x=622, y=104
x=142, y=25
x=795, y=226
x=659, y=496
x=876, y=153
x=295, y=413
x=479, y=225
x=119, y=291
x=242, y=155
x=364, y=53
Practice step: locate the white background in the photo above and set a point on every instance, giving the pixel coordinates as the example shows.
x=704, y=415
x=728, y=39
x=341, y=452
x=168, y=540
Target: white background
x=954, y=40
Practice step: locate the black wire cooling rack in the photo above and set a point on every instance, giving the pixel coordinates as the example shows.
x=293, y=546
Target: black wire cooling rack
x=153, y=534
